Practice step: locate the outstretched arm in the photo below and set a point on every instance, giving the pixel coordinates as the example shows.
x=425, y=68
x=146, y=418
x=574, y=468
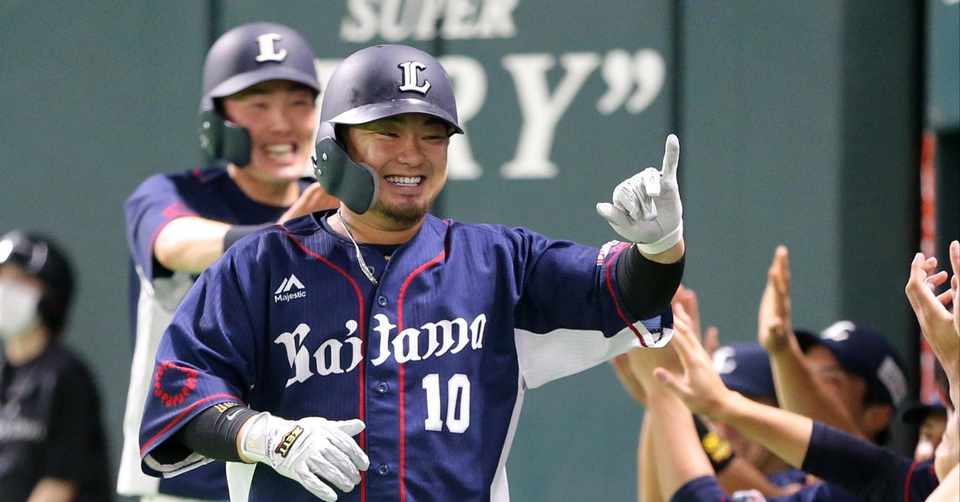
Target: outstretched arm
x=192, y=243
x=798, y=388
x=676, y=446
x=648, y=483
x=939, y=325
x=648, y=487
x=851, y=462
x=701, y=389
x=949, y=489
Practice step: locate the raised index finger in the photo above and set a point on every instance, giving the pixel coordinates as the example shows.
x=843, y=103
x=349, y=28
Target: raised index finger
x=671, y=156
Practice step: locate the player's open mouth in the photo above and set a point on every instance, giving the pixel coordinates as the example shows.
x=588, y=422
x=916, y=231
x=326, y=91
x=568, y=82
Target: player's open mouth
x=279, y=151
x=404, y=181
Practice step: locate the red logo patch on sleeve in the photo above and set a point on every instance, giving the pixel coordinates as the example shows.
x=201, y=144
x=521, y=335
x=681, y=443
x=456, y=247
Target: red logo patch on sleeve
x=169, y=372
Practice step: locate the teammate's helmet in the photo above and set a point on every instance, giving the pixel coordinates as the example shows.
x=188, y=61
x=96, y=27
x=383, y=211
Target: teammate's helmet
x=371, y=84
x=387, y=80
x=243, y=57
x=42, y=258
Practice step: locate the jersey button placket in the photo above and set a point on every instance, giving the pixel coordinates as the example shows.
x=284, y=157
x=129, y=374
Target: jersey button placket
x=384, y=469
x=382, y=387
x=382, y=301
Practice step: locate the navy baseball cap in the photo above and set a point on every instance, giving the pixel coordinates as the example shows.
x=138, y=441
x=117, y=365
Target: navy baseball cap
x=745, y=368
x=865, y=353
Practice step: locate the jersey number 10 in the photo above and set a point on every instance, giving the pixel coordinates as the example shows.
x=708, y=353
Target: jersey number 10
x=458, y=403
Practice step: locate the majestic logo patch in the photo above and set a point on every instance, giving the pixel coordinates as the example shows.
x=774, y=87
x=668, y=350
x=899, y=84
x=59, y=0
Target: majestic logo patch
x=290, y=289
x=268, y=48
x=411, y=77
x=284, y=447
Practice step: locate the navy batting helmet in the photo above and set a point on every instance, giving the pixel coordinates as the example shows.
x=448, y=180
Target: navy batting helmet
x=243, y=57
x=371, y=84
x=42, y=258
x=387, y=80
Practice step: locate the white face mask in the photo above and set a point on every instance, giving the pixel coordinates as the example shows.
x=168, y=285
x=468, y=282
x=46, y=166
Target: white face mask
x=18, y=308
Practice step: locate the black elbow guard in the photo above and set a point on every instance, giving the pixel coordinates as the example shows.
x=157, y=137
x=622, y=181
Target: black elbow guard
x=647, y=286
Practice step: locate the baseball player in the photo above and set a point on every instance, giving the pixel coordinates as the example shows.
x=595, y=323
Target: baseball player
x=847, y=462
x=257, y=122
x=847, y=376
x=52, y=443
x=371, y=352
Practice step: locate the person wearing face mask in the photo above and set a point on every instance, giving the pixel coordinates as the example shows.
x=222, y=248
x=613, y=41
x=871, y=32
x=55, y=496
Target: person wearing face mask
x=52, y=442
x=257, y=121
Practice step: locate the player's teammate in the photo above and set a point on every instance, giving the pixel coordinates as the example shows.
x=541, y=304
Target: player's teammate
x=372, y=349
x=257, y=121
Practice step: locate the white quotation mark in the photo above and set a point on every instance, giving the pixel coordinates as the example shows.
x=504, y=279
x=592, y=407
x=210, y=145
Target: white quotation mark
x=633, y=81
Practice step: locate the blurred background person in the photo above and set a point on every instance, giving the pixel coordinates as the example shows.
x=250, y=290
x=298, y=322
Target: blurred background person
x=52, y=443
x=930, y=419
x=847, y=376
x=744, y=368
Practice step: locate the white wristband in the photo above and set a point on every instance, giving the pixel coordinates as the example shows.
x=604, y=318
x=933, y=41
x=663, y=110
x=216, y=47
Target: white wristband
x=664, y=243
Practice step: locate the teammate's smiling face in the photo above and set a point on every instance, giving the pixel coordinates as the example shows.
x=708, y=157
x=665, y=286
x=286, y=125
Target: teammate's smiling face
x=280, y=116
x=409, y=152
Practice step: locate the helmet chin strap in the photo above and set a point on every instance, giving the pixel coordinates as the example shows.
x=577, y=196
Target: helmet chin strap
x=355, y=184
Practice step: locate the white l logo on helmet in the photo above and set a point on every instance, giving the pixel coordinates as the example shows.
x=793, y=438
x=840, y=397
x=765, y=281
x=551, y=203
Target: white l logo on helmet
x=268, y=48
x=411, y=77
x=724, y=360
x=838, y=331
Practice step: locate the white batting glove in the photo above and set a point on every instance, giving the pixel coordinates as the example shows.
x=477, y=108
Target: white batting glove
x=309, y=451
x=646, y=207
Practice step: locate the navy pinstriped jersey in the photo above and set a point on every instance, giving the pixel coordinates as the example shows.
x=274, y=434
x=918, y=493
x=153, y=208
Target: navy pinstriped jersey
x=434, y=359
x=155, y=293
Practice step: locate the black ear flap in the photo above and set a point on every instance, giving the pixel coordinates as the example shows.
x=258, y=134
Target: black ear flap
x=354, y=184
x=221, y=140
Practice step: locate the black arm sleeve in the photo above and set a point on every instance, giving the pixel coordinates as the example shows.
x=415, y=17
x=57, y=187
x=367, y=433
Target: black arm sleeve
x=647, y=286
x=238, y=232
x=213, y=433
x=858, y=466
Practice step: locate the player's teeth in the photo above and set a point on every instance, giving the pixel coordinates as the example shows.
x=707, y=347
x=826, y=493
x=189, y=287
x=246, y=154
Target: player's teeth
x=279, y=149
x=405, y=180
